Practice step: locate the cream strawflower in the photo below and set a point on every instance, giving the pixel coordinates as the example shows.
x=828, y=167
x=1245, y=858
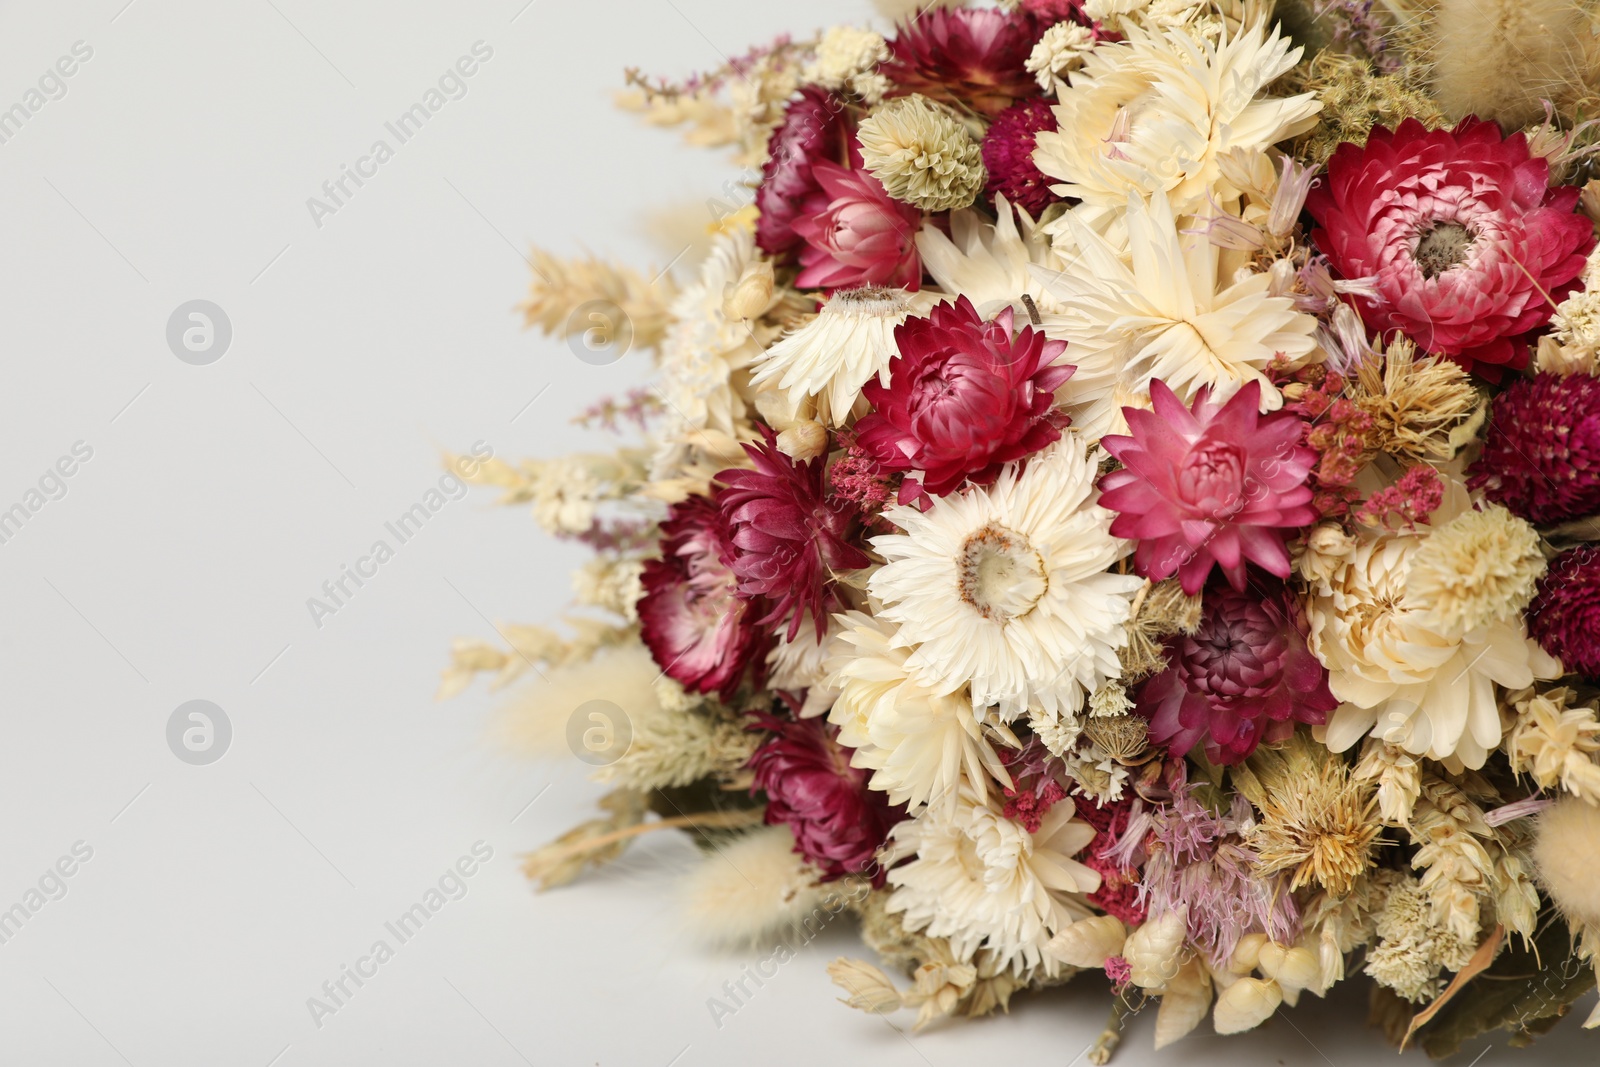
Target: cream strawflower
x=1005, y=588
x=1399, y=657
x=835, y=354
x=1169, y=315
x=986, y=883
x=922, y=747
x=921, y=153
x=1153, y=112
x=704, y=346
x=989, y=263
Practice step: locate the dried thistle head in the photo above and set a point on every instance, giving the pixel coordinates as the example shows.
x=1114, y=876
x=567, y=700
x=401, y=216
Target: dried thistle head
x=1317, y=819
x=1421, y=409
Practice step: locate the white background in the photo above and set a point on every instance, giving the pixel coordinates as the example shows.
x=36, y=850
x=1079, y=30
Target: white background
x=219, y=498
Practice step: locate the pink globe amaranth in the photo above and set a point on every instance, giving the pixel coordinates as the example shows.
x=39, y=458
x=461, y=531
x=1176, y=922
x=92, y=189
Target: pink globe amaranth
x=1466, y=243
x=856, y=234
x=965, y=397
x=700, y=633
x=813, y=128
x=1008, y=155
x=787, y=537
x=1565, y=614
x=1219, y=484
x=837, y=822
x=1243, y=677
x=966, y=56
x=1541, y=455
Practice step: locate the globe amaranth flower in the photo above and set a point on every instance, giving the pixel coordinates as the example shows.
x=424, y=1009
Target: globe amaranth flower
x=812, y=129
x=1541, y=456
x=1467, y=246
x=786, y=537
x=1244, y=677
x=837, y=822
x=1008, y=155
x=855, y=233
x=700, y=632
x=1214, y=485
x=964, y=397
x=965, y=55
x=1565, y=614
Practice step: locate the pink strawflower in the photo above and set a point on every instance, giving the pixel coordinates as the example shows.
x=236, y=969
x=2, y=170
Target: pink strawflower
x=701, y=634
x=1541, y=456
x=787, y=539
x=812, y=129
x=1008, y=155
x=964, y=397
x=1243, y=677
x=966, y=56
x=855, y=233
x=837, y=822
x=1218, y=483
x=1565, y=614
x=1466, y=243
x=1416, y=495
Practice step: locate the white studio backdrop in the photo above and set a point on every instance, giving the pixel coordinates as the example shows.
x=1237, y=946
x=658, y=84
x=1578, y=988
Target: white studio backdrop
x=182, y=498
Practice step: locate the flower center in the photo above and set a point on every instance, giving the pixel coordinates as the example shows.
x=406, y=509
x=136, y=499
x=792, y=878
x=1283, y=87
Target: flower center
x=1443, y=246
x=1001, y=574
x=1211, y=480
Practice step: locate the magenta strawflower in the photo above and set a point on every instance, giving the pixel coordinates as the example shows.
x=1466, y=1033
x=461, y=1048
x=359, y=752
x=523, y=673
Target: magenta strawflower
x=1541, y=456
x=837, y=822
x=1565, y=614
x=1218, y=483
x=1244, y=677
x=966, y=55
x=855, y=233
x=701, y=634
x=812, y=129
x=1466, y=243
x=965, y=397
x=787, y=538
x=1008, y=155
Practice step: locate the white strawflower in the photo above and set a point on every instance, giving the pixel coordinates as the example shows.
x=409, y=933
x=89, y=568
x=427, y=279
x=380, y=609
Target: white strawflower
x=1060, y=50
x=986, y=883
x=844, y=54
x=921, y=153
x=1154, y=112
x=831, y=357
x=922, y=747
x=989, y=263
x=1169, y=314
x=1005, y=588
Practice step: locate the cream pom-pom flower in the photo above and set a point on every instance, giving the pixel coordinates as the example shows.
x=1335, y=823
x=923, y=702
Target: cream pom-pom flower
x=850, y=342
x=1154, y=112
x=986, y=883
x=921, y=153
x=1005, y=589
x=922, y=747
x=1394, y=633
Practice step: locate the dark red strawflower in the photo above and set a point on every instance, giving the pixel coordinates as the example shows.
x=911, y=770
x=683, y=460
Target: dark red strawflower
x=1216, y=484
x=1054, y=11
x=813, y=128
x=1541, y=456
x=701, y=634
x=837, y=822
x=1466, y=243
x=787, y=537
x=1008, y=155
x=1565, y=614
x=966, y=55
x=1244, y=677
x=855, y=233
x=964, y=397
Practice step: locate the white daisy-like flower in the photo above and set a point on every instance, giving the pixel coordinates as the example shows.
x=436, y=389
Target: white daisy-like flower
x=831, y=357
x=704, y=346
x=1005, y=588
x=1153, y=112
x=923, y=747
x=1406, y=669
x=1167, y=314
x=989, y=263
x=987, y=884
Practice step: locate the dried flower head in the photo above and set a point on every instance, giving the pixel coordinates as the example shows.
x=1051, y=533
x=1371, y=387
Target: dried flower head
x=1422, y=409
x=1555, y=743
x=1480, y=566
x=921, y=153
